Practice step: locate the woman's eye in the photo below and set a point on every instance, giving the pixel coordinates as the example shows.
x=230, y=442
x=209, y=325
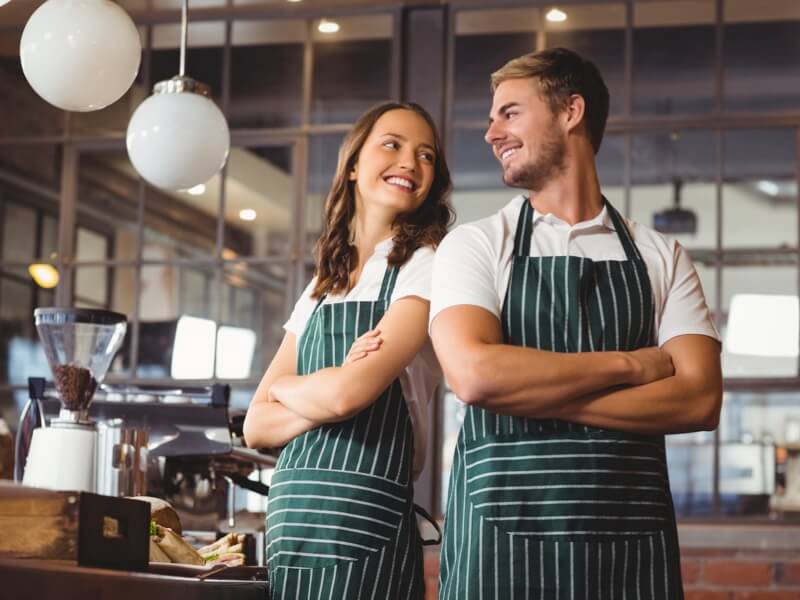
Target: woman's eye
x=392, y=145
x=427, y=156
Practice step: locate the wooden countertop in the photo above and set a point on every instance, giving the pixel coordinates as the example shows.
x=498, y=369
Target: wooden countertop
x=35, y=579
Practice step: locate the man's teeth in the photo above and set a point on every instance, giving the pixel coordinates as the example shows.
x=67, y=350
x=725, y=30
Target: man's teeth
x=400, y=181
x=507, y=153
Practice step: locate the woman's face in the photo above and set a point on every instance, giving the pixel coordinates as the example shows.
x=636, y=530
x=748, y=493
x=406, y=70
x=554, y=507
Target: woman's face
x=395, y=166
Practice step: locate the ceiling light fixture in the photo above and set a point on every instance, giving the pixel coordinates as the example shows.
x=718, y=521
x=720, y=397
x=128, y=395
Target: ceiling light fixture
x=326, y=26
x=770, y=188
x=555, y=15
x=247, y=214
x=178, y=138
x=80, y=56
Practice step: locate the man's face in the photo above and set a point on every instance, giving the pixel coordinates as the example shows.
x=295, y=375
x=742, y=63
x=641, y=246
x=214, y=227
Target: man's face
x=525, y=135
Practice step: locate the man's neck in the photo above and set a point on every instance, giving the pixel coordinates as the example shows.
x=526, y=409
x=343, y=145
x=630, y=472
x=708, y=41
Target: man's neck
x=574, y=195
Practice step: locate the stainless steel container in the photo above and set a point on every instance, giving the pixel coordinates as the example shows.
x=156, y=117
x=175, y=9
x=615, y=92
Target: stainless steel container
x=121, y=459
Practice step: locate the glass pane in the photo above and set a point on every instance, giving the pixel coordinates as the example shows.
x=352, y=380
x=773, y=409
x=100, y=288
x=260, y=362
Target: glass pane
x=478, y=190
x=31, y=115
x=18, y=234
x=266, y=73
x=35, y=164
x=176, y=224
x=254, y=311
x=676, y=170
x=762, y=53
x=352, y=68
x=485, y=41
x=760, y=332
x=20, y=354
x=666, y=78
x=610, y=163
x=760, y=190
x=598, y=34
x=177, y=314
x=323, y=154
x=204, y=54
x=114, y=118
x=259, y=197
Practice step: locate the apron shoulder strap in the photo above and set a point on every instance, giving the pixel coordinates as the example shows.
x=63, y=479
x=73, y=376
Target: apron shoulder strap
x=522, y=237
x=387, y=285
x=625, y=238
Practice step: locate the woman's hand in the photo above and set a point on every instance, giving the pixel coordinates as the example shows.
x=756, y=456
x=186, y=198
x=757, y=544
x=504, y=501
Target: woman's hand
x=369, y=342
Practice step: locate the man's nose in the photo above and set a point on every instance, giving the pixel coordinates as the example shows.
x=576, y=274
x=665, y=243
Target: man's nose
x=493, y=133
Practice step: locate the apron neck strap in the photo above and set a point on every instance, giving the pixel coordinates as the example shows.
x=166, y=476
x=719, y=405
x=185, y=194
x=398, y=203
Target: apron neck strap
x=522, y=237
x=387, y=285
x=631, y=251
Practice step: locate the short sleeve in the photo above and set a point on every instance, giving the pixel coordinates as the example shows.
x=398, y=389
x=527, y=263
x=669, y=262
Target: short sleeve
x=302, y=311
x=464, y=272
x=414, y=278
x=685, y=310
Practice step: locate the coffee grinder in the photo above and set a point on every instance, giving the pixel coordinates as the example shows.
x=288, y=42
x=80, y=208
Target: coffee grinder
x=80, y=345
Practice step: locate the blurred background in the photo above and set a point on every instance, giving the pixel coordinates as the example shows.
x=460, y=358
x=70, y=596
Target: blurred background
x=704, y=115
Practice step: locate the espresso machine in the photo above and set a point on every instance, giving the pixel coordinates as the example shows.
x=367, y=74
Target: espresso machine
x=79, y=344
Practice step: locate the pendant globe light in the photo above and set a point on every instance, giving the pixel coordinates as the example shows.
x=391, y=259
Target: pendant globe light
x=178, y=138
x=80, y=55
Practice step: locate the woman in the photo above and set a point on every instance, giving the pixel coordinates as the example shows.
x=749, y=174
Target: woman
x=347, y=390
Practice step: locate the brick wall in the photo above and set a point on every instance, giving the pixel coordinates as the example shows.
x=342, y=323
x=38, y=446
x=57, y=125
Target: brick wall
x=708, y=574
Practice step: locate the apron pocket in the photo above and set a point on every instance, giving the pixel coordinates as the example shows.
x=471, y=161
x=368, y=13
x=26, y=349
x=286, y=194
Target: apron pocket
x=567, y=485
x=319, y=518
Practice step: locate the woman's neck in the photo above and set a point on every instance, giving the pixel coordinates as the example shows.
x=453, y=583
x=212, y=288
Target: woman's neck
x=368, y=230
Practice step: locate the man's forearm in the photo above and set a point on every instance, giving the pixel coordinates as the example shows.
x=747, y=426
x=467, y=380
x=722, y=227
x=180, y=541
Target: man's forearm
x=513, y=380
x=672, y=405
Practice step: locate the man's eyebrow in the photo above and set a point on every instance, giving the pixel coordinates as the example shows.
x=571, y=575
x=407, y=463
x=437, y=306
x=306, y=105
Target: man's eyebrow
x=503, y=109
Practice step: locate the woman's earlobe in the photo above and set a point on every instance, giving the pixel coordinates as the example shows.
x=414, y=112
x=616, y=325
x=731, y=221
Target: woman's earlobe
x=353, y=173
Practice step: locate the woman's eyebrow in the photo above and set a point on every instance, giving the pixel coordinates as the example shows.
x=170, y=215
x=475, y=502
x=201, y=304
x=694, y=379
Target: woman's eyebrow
x=403, y=138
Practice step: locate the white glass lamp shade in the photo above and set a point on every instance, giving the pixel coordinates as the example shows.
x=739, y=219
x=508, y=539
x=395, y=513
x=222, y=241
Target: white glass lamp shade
x=178, y=140
x=80, y=55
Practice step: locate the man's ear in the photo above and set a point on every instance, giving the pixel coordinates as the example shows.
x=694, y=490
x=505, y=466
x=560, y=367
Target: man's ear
x=574, y=112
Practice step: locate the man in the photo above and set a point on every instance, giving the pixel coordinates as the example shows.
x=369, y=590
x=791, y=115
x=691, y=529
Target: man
x=577, y=339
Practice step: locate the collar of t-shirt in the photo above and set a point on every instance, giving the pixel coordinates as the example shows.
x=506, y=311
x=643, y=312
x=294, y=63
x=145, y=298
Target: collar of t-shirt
x=594, y=238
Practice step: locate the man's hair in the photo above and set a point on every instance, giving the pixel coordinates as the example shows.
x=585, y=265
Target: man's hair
x=560, y=74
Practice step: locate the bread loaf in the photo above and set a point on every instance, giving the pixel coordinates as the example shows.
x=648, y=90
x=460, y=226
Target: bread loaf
x=162, y=513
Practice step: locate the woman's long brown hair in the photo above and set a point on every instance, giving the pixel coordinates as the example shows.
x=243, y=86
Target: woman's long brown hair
x=426, y=226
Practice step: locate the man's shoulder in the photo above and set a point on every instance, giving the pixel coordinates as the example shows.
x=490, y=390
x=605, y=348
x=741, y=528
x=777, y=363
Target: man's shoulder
x=492, y=229
x=647, y=238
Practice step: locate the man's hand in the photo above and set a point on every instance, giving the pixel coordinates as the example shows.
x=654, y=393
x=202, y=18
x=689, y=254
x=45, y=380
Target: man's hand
x=650, y=364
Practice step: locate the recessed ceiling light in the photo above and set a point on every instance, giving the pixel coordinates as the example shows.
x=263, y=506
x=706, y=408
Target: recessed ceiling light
x=247, y=214
x=44, y=275
x=556, y=16
x=293, y=1
x=197, y=190
x=326, y=26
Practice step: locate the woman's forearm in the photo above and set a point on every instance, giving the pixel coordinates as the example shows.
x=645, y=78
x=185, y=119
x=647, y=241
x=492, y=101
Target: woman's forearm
x=269, y=424
x=315, y=397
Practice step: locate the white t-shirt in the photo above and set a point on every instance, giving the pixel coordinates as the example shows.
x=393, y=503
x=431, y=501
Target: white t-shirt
x=421, y=376
x=473, y=263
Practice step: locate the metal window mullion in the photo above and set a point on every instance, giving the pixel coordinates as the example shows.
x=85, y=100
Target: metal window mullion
x=66, y=224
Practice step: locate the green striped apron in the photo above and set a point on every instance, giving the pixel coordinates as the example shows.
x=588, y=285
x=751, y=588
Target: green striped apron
x=546, y=509
x=340, y=516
